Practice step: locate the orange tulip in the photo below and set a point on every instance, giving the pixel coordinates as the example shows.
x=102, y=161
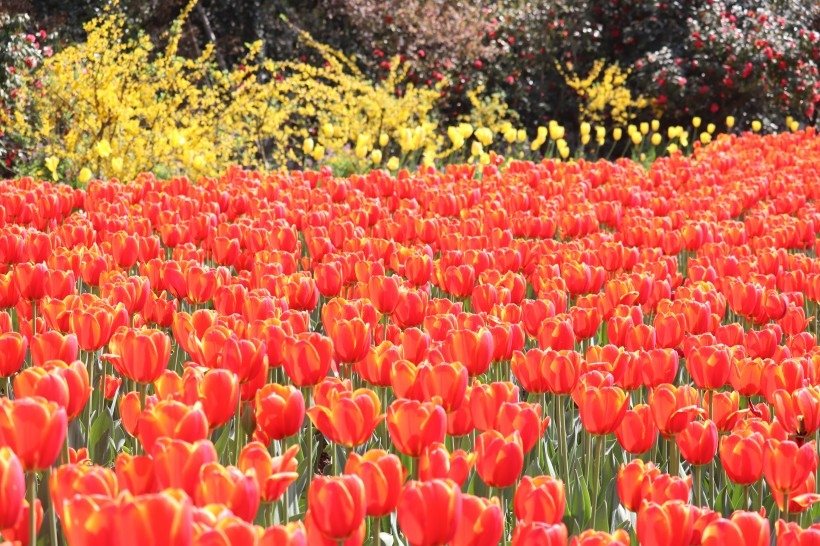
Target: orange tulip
x=19, y=533
x=177, y=463
x=89, y=519
x=742, y=528
x=800, y=499
x=472, y=349
x=71, y=479
x=230, y=487
x=13, y=487
x=138, y=519
x=524, y=418
x=34, y=429
x=481, y=523
x=436, y=463
x=429, y=513
x=486, y=401
x=350, y=418
x=709, y=366
x=630, y=483
x=95, y=325
x=140, y=354
x=499, y=459
x=787, y=465
x=665, y=487
x=383, y=476
x=279, y=410
x=292, y=534
x=173, y=420
x=29, y=278
x=351, y=339
x=667, y=524
x=39, y=382
x=602, y=409
x=539, y=499
x=135, y=474
x=637, y=432
x=673, y=407
x=53, y=345
x=539, y=533
x=375, y=367
x=275, y=474
x=447, y=381
x=798, y=412
x=414, y=425
x=556, y=333
x=337, y=505
x=307, y=358
x=741, y=454
x=12, y=353
x=698, y=442
x=215, y=390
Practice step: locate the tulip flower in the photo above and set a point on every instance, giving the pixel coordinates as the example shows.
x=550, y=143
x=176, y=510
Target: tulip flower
x=141, y=355
x=174, y=420
x=230, y=487
x=667, y=524
x=698, y=442
x=350, y=418
x=499, y=459
x=435, y=462
x=741, y=455
x=135, y=474
x=12, y=353
x=275, y=474
x=337, y=505
x=279, y=410
x=591, y=537
x=539, y=533
x=137, y=520
x=13, y=487
x=307, y=358
x=383, y=476
x=429, y=513
x=34, y=429
x=540, y=499
x=481, y=523
x=414, y=425
x=89, y=519
x=177, y=463
x=71, y=479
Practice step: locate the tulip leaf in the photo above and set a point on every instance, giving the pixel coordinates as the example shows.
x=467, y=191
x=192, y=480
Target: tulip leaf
x=386, y=538
x=98, y=436
x=587, y=503
x=221, y=444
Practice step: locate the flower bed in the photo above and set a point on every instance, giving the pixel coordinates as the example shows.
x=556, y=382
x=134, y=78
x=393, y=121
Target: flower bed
x=579, y=349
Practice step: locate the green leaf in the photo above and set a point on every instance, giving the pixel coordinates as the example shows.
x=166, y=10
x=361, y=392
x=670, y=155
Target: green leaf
x=221, y=444
x=98, y=436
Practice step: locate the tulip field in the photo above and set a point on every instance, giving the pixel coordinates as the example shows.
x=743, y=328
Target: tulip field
x=564, y=352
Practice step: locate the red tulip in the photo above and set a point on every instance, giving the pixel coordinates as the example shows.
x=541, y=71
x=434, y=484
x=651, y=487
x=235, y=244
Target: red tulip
x=337, y=505
x=34, y=429
x=429, y=513
x=499, y=459
x=383, y=476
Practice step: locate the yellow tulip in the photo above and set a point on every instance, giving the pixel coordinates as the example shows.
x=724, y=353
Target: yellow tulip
x=730, y=122
x=383, y=139
x=521, y=135
x=644, y=128
x=393, y=163
x=51, y=165
x=617, y=133
x=656, y=124
x=318, y=152
x=116, y=164
x=586, y=128
x=476, y=149
x=636, y=137
x=307, y=146
x=756, y=126
x=710, y=128
x=696, y=121
x=104, y=148
x=84, y=176
x=656, y=139
x=705, y=138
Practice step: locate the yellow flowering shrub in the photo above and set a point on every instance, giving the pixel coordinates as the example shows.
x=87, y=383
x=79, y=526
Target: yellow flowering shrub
x=113, y=107
x=604, y=95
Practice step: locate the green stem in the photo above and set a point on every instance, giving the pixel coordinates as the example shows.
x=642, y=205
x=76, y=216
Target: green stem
x=32, y=513
x=786, y=498
x=141, y=389
x=238, y=429
x=52, y=517
x=597, y=477
x=745, y=498
x=376, y=529
x=698, y=489
x=674, y=458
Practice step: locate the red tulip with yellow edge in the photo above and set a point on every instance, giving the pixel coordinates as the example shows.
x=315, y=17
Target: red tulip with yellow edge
x=698, y=442
x=541, y=499
x=473, y=349
x=524, y=418
x=436, y=463
x=591, y=537
x=414, y=425
x=787, y=465
x=34, y=429
x=447, y=381
x=177, y=463
x=29, y=279
x=376, y=365
x=741, y=456
x=630, y=482
x=307, y=358
x=499, y=459
x=135, y=474
x=667, y=524
x=315, y=537
x=12, y=353
x=337, y=504
x=543, y=534
x=486, y=400
x=528, y=369
x=673, y=407
x=216, y=391
x=13, y=487
x=230, y=487
x=88, y=520
x=69, y=480
x=799, y=411
x=20, y=533
x=665, y=487
x=429, y=513
x=275, y=474
x=141, y=355
x=139, y=518
x=95, y=325
x=637, y=432
x=800, y=499
x=481, y=523
x=173, y=420
x=38, y=381
x=383, y=476
x=351, y=339
x=292, y=534
x=602, y=409
x=349, y=418
x=279, y=410
x=556, y=333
